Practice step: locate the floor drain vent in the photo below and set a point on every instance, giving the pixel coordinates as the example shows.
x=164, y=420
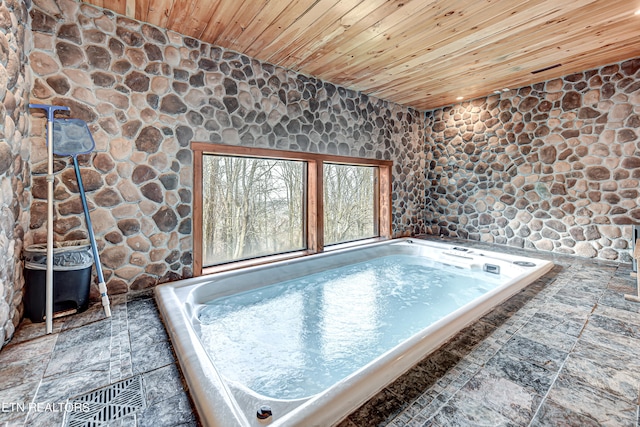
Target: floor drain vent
x=101, y=407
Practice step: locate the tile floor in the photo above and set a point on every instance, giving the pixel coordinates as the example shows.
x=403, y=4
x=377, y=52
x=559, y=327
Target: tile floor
x=87, y=352
x=564, y=351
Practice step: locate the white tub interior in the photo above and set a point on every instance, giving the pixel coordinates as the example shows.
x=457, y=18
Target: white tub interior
x=223, y=403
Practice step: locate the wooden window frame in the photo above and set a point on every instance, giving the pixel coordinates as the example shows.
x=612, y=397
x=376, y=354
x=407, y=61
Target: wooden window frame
x=314, y=220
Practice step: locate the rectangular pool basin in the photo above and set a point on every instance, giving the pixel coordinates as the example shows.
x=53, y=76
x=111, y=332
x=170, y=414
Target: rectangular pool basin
x=313, y=338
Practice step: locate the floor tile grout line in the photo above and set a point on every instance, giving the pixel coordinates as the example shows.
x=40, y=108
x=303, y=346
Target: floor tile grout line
x=479, y=367
x=35, y=394
x=555, y=377
x=44, y=370
x=523, y=320
x=112, y=345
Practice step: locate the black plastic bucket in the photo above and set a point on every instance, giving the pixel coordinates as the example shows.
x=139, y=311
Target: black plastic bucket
x=72, y=262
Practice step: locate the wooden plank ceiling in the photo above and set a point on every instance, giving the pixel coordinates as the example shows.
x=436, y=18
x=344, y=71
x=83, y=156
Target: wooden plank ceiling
x=419, y=53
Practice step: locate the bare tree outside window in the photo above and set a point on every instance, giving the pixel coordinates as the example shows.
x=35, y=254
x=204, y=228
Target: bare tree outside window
x=254, y=205
x=349, y=203
x=251, y=207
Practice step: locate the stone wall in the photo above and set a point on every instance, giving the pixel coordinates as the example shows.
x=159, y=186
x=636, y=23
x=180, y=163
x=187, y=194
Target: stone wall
x=146, y=93
x=554, y=166
x=14, y=172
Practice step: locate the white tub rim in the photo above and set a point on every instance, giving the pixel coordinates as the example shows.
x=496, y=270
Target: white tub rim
x=207, y=386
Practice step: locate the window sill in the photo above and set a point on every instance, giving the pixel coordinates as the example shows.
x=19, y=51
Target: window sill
x=253, y=262
x=283, y=257
x=345, y=245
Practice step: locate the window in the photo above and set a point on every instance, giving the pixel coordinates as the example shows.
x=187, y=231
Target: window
x=251, y=207
x=349, y=203
x=256, y=205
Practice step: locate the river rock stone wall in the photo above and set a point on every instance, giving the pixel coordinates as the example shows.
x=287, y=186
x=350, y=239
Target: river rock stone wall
x=14, y=172
x=554, y=166
x=146, y=93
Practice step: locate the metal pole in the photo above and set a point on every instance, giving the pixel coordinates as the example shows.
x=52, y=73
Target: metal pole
x=49, y=275
x=50, y=109
x=92, y=238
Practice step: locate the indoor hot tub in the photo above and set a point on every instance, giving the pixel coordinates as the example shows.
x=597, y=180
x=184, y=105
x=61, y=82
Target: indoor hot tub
x=306, y=341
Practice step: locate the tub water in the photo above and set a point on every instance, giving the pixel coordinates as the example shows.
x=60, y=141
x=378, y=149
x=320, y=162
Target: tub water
x=315, y=337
